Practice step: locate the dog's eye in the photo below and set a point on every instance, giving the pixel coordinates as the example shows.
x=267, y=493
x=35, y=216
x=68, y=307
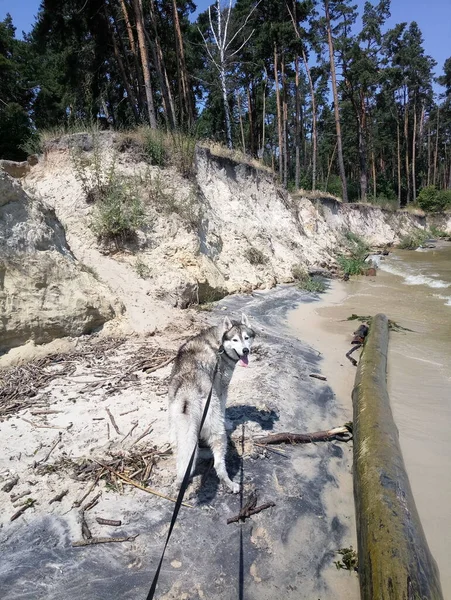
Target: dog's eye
x=245, y=337
x=235, y=340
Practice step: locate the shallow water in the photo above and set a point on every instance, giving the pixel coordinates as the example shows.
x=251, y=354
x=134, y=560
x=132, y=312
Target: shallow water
x=412, y=288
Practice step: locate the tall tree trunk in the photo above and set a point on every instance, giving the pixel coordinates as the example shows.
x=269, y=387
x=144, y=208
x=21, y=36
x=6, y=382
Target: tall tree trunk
x=329, y=167
x=279, y=115
x=184, y=77
x=168, y=103
x=241, y=121
x=131, y=40
x=130, y=93
x=362, y=149
x=398, y=142
x=284, y=124
x=250, y=112
x=406, y=138
x=228, y=121
x=436, y=147
x=312, y=96
x=429, y=152
x=145, y=63
x=341, y=164
x=264, y=118
x=297, y=132
x=414, y=143
x=373, y=160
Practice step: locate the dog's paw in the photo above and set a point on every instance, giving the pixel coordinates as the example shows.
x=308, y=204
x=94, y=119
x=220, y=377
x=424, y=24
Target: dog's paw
x=233, y=487
x=229, y=425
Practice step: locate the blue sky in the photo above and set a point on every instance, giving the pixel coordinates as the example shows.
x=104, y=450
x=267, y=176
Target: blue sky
x=433, y=17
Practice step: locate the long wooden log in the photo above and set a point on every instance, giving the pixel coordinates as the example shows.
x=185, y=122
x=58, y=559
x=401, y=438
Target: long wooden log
x=395, y=562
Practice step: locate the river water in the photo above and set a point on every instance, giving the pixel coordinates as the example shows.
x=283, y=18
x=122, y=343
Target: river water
x=412, y=288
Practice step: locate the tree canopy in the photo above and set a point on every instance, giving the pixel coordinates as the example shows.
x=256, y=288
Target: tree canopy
x=329, y=98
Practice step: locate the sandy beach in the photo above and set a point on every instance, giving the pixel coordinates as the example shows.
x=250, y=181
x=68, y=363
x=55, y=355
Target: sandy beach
x=53, y=441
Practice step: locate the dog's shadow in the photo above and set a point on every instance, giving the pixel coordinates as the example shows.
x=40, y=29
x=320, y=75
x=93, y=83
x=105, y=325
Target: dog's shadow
x=207, y=482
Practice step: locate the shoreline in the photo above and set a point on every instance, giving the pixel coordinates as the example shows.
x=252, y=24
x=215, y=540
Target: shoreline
x=417, y=383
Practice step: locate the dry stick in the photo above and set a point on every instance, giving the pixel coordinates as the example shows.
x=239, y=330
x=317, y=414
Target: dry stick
x=130, y=432
x=113, y=422
x=44, y=412
x=111, y=522
x=140, y=487
x=249, y=512
x=85, y=531
x=17, y=514
x=93, y=502
x=83, y=498
x=271, y=449
x=348, y=354
x=19, y=496
x=160, y=366
x=93, y=541
x=340, y=434
x=10, y=484
x=55, y=444
x=59, y=497
x=128, y=412
x=317, y=376
x=148, y=430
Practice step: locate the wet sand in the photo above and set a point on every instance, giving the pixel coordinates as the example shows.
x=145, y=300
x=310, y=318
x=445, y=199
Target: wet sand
x=414, y=291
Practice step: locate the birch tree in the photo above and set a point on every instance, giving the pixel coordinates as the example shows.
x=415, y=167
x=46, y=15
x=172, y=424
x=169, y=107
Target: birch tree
x=220, y=45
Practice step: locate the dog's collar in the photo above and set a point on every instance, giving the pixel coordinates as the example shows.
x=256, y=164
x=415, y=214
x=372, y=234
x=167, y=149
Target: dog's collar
x=222, y=351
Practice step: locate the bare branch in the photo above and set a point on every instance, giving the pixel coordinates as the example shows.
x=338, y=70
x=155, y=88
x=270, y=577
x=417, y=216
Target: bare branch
x=243, y=25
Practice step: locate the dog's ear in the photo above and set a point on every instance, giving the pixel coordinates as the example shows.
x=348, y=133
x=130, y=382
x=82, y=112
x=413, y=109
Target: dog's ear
x=227, y=324
x=244, y=320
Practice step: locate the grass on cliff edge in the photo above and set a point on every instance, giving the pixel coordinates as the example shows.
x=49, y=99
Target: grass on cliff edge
x=353, y=262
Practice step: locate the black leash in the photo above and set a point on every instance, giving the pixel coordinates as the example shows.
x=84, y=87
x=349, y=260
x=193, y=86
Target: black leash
x=182, y=490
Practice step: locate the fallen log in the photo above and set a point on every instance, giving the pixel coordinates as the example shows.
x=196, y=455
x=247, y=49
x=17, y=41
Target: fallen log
x=340, y=434
x=394, y=558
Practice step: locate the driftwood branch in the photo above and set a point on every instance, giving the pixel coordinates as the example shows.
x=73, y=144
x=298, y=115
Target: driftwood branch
x=103, y=540
x=59, y=497
x=111, y=522
x=348, y=354
x=246, y=513
x=113, y=422
x=339, y=434
x=21, y=510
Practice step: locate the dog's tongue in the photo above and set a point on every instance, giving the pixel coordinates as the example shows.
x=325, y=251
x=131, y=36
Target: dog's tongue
x=244, y=361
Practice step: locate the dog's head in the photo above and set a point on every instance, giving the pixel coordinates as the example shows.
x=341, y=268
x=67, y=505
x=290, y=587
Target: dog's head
x=237, y=339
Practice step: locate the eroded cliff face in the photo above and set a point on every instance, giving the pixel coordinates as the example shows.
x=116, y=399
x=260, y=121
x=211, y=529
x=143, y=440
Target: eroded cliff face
x=44, y=291
x=230, y=229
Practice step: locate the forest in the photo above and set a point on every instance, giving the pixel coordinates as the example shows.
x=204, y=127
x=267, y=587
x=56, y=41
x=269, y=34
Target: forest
x=331, y=99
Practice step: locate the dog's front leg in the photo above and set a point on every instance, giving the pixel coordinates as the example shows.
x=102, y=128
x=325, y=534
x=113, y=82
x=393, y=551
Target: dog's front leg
x=218, y=444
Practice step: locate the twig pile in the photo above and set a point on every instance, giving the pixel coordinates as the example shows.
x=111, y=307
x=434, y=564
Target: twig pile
x=135, y=465
x=20, y=385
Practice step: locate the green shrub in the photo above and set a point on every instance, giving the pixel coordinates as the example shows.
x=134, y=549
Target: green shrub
x=306, y=282
x=430, y=199
x=414, y=240
x=154, y=147
x=255, y=256
x=117, y=214
x=353, y=263
x=437, y=233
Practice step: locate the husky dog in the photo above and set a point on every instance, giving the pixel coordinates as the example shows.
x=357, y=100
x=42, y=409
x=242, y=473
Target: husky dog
x=191, y=381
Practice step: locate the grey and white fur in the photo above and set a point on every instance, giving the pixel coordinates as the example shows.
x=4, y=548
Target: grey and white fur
x=191, y=381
